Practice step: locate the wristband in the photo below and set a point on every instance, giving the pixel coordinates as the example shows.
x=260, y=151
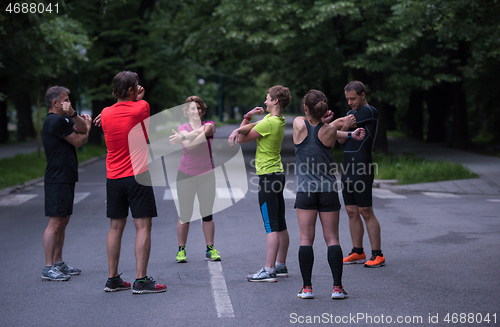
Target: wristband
x=74, y=115
x=183, y=137
x=349, y=135
x=247, y=117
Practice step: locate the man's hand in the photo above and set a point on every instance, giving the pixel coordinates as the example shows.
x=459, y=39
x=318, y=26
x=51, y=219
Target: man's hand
x=327, y=117
x=97, y=120
x=140, y=92
x=254, y=111
x=233, y=138
x=350, y=121
x=68, y=109
x=88, y=121
x=358, y=134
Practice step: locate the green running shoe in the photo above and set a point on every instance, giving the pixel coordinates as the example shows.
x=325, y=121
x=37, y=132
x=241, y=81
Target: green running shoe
x=212, y=254
x=181, y=256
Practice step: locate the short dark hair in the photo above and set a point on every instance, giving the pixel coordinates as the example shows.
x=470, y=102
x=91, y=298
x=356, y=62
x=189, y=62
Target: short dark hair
x=356, y=86
x=122, y=82
x=199, y=101
x=282, y=94
x=316, y=103
x=54, y=93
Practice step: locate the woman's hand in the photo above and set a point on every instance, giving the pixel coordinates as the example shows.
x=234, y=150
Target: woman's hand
x=233, y=138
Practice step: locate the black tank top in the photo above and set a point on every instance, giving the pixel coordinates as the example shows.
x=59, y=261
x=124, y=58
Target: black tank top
x=313, y=163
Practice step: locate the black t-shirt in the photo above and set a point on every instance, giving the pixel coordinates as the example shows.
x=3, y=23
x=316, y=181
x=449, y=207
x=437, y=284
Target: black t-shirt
x=358, y=154
x=62, y=164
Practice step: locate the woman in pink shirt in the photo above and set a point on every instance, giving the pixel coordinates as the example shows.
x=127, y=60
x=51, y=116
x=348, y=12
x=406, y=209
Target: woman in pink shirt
x=195, y=175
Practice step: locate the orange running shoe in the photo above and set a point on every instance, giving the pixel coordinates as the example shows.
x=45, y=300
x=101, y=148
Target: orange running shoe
x=355, y=258
x=339, y=293
x=375, y=262
x=306, y=293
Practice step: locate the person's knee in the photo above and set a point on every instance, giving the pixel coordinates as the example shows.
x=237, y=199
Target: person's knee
x=367, y=213
x=352, y=211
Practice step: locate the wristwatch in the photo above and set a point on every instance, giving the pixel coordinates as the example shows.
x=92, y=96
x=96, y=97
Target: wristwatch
x=74, y=115
x=183, y=137
x=247, y=117
x=349, y=135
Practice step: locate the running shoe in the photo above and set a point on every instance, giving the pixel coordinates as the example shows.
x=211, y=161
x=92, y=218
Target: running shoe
x=339, y=293
x=375, y=261
x=68, y=270
x=282, y=271
x=306, y=293
x=262, y=276
x=181, y=256
x=148, y=286
x=116, y=284
x=212, y=254
x=353, y=257
x=53, y=273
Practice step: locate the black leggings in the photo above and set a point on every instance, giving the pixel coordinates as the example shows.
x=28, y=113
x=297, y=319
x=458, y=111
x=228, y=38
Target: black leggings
x=187, y=187
x=271, y=201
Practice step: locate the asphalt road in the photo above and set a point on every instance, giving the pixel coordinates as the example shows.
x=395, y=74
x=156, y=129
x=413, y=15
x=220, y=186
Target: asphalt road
x=441, y=253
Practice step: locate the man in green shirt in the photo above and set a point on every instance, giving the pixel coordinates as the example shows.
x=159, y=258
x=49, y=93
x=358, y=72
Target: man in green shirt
x=269, y=133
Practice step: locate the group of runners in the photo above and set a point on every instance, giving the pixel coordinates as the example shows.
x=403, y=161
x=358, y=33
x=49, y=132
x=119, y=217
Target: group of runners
x=128, y=184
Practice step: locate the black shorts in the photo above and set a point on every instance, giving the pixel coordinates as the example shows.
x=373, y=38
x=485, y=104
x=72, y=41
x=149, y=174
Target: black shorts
x=59, y=199
x=126, y=192
x=271, y=201
x=322, y=202
x=358, y=193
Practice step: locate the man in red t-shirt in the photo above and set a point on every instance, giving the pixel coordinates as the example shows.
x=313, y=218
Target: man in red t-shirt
x=128, y=181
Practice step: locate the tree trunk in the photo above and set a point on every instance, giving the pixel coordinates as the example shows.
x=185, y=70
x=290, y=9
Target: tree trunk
x=459, y=132
x=95, y=136
x=24, y=116
x=4, y=122
x=438, y=104
x=413, y=121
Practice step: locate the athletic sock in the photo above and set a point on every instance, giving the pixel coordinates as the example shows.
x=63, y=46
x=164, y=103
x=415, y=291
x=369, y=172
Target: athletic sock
x=377, y=253
x=143, y=279
x=270, y=270
x=357, y=250
x=336, y=263
x=306, y=261
x=279, y=265
x=114, y=278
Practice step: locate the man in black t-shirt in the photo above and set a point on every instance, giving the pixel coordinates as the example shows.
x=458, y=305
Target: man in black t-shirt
x=357, y=177
x=59, y=142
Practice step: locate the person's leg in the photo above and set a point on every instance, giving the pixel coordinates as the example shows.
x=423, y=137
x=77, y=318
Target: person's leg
x=142, y=245
x=209, y=231
x=52, y=236
x=355, y=225
x=283, y=238
x=113, y=244
x=182, y=233
x=330, y=224
x=372, y=227
x=60, y=241
x=272, y=242
x=307, y=228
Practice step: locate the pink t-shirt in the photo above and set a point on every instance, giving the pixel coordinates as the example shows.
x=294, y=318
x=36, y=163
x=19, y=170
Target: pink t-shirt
x=197, y=161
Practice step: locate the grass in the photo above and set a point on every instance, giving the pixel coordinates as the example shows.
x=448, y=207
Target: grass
x=408, y=169
x=25, y=167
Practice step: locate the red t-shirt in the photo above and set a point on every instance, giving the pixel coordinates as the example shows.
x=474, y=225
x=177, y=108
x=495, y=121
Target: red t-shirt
x=125, y=126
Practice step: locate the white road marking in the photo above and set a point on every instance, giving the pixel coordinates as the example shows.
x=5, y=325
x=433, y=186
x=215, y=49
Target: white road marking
x=494, y=200
x=287, y=194
x=386, y=194
x=79, y=196
x=16, y=199
x=438, y=195
x=170, y=194
x=219, y=291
